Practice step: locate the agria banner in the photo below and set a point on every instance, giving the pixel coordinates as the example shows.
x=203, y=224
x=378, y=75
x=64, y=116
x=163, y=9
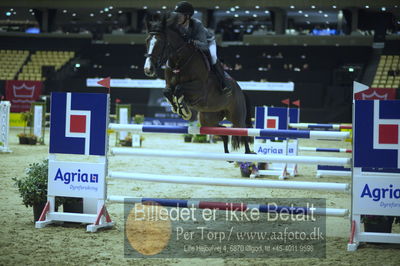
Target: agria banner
x=377, y=145
x=78, y=123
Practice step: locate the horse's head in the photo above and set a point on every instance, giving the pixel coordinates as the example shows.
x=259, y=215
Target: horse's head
x=155, y=43
x=162, y=31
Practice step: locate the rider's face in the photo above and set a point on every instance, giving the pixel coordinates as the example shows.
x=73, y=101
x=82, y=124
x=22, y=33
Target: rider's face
x=181, y=18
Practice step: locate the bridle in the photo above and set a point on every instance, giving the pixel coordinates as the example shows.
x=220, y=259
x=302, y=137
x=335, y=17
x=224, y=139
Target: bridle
x=161, y=58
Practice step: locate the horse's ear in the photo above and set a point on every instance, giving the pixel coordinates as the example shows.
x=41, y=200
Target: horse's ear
x=172, y=19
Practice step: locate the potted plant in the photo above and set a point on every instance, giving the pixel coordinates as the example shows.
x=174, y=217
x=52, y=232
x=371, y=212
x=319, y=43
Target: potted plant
x=138, y=119
x=187, y=137
x=32, y=139
x=33, y=187
x=128, y=141
x=247, y=168
x=26, y=117
x=377, y=223
x=198, y=138
x=23, y=138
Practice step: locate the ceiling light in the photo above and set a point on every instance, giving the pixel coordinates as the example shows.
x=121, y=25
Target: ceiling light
x=291, y=7
x=109, y=15
x=312, y=6
x=237, y=7
x=232, y=9
x=216, y=7
x=266, y=12
x=308, y=22
x=164, y=7
x=106, y=9
x=91, y=14
x=300, y=11
x=366, y=6
x=333, y=6
x=227, y=12
x=120, y=12
x=64, y=11
x=101, y=11
x=8, y=14
x=110, y=7
x=30, y=10
x=144, y=7
x=255, y=15
x=257, y=7
x=74, y=14
x=326, y=15
x=236, y=16
x=383, y=8
x=306, y=15
x=320, y=11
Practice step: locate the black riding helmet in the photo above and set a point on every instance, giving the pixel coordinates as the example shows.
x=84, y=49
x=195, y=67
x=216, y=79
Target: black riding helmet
x=185, y=8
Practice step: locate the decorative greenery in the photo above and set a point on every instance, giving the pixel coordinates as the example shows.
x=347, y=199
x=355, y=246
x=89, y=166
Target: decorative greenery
x=33, y=187
x=248, y=165
x=27, y=118
x=128, y=140
x=200, y=138
x=138, y=119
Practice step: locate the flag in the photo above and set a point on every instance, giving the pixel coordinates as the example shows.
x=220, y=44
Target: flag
x=297, y=103
x=105, y=82
x=286, y=101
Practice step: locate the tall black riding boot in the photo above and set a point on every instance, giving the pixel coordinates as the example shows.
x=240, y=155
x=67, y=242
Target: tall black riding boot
x=219, y=71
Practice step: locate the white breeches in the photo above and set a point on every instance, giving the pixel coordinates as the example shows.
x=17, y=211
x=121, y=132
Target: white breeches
x=213, y=52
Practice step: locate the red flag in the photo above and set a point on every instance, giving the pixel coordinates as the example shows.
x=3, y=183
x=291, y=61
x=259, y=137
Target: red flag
x=117, y=100
x=105, y=82
x=286, y=101
x=297, y=103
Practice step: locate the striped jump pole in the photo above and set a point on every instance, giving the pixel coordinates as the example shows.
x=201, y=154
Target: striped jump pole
x=231, y=156
x=251, y=132
x=325, y=149
x=319, y=126
x=231, y=182
x=242, y=207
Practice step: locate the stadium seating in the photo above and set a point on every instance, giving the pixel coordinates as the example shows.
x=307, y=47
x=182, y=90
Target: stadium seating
x=11, y=62
x=387, y=74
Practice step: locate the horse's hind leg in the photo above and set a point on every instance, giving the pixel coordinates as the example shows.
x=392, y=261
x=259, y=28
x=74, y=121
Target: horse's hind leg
x=238, y=120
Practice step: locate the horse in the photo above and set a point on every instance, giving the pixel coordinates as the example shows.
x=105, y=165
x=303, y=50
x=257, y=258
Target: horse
x=191, y=87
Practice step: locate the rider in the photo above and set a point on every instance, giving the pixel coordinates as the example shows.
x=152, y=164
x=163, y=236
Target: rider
x=201, y=38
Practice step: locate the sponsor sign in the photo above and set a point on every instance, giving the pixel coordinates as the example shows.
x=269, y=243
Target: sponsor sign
x=377, y=134
x=275, y=118
x=79, y=123
x=376, y=196
x=21, y=94
x=76, y=179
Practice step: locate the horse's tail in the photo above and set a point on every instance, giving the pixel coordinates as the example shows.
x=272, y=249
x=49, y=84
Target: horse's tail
x=237, y=141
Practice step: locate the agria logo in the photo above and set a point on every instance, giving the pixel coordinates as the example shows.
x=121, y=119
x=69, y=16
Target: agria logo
x=378, y=193
x=78, y=123
x=75, y=177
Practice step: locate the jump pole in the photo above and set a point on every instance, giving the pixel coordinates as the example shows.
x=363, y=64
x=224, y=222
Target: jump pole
x=325, y=149
x=319, y=126
x=232, y=182
x=231, y=156
x=251, y=132
x=228, y=206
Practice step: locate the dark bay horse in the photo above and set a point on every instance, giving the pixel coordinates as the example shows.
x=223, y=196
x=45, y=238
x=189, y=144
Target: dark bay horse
x=190, y=85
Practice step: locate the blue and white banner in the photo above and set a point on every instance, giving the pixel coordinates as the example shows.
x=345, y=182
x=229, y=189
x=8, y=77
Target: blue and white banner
x=79, y=123
x=76, y=179
x=377, y=134
x=275, y=118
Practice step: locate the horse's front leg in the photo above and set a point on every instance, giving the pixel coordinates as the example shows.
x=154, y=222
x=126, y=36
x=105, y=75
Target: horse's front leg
x=182, y=108
x=169, y=94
